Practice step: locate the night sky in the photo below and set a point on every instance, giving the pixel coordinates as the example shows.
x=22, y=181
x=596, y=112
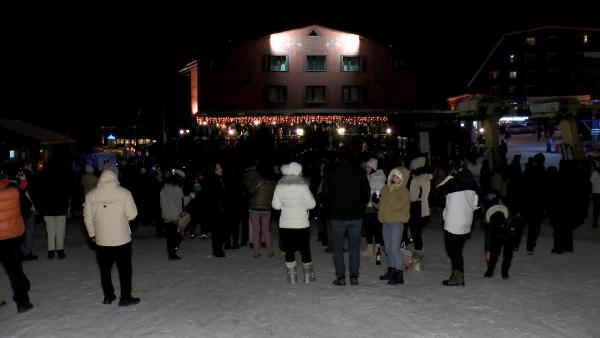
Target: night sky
x=114, y=62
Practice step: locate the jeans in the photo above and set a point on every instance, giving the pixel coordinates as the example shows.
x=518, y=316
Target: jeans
x=339, y=228
x=392, y=236
x=26, y=246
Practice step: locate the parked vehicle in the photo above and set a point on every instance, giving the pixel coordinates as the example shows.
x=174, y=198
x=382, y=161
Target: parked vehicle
x=524, y=128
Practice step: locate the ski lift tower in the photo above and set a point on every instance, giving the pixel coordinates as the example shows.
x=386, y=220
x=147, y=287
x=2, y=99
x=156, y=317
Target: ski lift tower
x=487, y=109
x=567, y=110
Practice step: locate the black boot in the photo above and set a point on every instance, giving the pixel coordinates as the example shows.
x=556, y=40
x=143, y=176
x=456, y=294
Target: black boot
x=489, y=272
x=126, y=301
x=388, y=275
x=456, y=279
x=505, y=274
x=61, y=254
x=397, y=278
x=24, y=307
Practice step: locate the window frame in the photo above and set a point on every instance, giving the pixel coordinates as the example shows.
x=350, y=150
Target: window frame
x=307, y=64
x=268, y=63
x=349, y=88
x=278, y=88
x=313, y=88
x=360, y=63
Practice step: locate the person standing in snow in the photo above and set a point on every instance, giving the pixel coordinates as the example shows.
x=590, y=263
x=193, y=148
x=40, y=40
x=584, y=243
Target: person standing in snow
x=393, y=203
x=371, y=224
x=172, y=202
x=346, y=192
x=88, y=180
x=461, y=191
x=419, y=188
x=107, y=211
x=293, y=197
x=595, y=181
x=501, y=234
x=11, y=229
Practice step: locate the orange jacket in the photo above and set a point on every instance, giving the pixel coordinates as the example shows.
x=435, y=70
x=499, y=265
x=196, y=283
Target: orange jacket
x=11, y=222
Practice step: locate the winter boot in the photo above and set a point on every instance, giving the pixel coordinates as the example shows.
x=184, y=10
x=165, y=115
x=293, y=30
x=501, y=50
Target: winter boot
x=309, y=273
x=505, y=274
x=397, y=278
x=292, y=274
x=368, y=252
x=456, y=279
x=489, y=272
x=388, y=275
x=417, y=261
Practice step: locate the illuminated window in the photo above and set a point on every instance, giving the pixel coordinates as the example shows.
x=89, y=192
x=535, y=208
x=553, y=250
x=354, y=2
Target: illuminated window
x=277, y=63
x=277, y=93
x=512, y=58
x=494, y=75
x=530, y=40
x=582, y=39
x=351, y=64
x=512, y=74
x=12, y=154
x=352, y=93
x=316, y=63
x=315, y=94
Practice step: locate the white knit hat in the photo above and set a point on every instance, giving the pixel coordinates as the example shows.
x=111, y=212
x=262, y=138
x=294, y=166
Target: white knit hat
x=179, y=172
x=494, y=209
x=372, y=163
x=294, y=168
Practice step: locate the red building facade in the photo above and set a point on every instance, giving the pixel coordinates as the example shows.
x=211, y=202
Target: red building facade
x=309, y=70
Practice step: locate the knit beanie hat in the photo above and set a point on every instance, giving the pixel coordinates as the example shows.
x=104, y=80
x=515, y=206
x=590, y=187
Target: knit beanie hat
x=294, y=168
x=89, y=169
x=372, y=163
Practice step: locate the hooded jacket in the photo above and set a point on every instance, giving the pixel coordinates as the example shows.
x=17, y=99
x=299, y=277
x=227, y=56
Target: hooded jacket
x=420, y=186
x=394, y=204
x=11, y=222
x=107, y=211
x=172, y=202
x=293, y=197
x=461, y=201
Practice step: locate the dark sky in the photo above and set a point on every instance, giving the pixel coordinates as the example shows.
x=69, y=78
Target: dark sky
x=105, y=61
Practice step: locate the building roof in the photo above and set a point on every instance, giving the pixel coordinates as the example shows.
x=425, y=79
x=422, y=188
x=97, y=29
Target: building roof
x=521, y=32
x=28, y=130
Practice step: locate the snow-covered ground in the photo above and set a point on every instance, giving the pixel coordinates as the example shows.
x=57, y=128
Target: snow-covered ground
x=240, y=296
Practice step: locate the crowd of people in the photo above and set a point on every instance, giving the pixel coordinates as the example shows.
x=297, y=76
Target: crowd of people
x=344, y=197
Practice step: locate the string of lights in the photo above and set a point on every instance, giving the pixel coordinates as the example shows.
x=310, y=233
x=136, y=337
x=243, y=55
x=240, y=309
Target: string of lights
x=291, y=119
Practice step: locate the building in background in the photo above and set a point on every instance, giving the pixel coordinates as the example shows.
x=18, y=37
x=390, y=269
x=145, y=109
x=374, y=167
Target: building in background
x=307, y=75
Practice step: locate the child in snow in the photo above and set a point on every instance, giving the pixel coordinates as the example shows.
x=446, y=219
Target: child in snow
x=501, y=233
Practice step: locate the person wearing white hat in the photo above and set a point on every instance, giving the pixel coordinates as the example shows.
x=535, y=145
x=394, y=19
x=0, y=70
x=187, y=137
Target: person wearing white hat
x=501, y=235
x=172, y=202
x=293, y=197
x=371, y=224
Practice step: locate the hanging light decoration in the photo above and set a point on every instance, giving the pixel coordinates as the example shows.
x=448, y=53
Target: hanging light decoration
x=291, y=119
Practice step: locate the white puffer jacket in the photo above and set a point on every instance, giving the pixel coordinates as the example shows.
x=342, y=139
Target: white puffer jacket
x=376, y=181
x=107, y=211
x=293, y=197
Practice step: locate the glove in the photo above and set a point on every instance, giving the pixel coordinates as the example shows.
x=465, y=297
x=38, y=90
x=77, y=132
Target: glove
x=375, y=198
